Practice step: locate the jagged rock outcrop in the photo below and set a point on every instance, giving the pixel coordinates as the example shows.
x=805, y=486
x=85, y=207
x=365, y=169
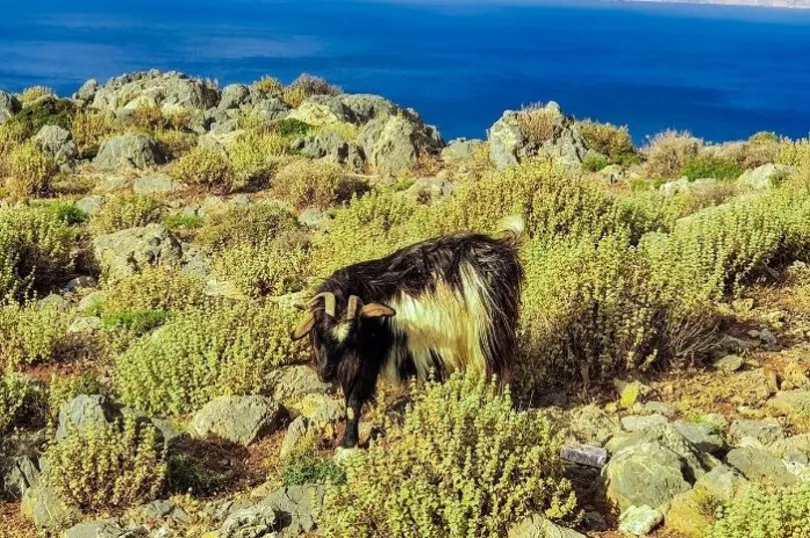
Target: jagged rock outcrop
x=58, y=143
x=170, y=91
x=8, y=106
x=128, y=251
x=129, y=151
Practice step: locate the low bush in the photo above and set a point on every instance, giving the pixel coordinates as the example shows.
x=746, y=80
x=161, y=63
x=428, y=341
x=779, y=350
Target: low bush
x=306, y=183
x=707, y=167
x=136, y=322
x=38, y=114
x=255, y=224
x=16, y=395
x=30, y=172
x=668, y=153
x=303, y=466
x=255, y=156
x=609, y=140
x=273, y=268
x=306, y=86
x=204, y=166
x=37, y=250
x=153, y=288
x=125, y=211
x=779, y=513
x=31, y=94
x=108, y=466
x=290, y=128
x=269, y=86
x=207, y=352
x=31, y=333
x=464, y=463
x=181, y=221
x=594, y=162
x=90, y=128
x=539, y=122
x=796, y=153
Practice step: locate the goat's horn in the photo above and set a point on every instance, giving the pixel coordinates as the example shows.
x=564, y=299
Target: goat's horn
x=351, y=310
x=328, y=300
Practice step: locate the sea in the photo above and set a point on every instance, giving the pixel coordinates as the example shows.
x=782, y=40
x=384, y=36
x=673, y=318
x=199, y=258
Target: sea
x=721, y=72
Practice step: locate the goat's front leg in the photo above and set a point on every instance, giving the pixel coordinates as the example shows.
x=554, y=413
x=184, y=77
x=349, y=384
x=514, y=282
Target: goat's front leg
x=354, y=406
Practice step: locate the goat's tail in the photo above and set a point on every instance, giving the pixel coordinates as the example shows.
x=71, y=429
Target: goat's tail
x=511, y=230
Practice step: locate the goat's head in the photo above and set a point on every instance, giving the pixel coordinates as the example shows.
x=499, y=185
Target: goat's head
x=337, y=338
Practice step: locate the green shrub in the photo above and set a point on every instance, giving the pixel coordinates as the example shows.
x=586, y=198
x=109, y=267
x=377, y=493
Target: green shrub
x=290, y=128
x=668, y=152
x=306, y=183
x=204, y=166
x=263, y=269
x=63, y=388
x=16, y=394
x=125, y=211
x=255, y=224
x=108, y=466
x=781, y=513
x=137, y=322
x=607, y=139
x=31, y=94
x=37, y=250
x=305, y=467
x=703, y=167
x=153, y=288
x=269, y=86
x=594, y=162
x=90, y=128
x=306, y=86
x=30, y=172
x=255, y=156
x=180, y=221
x=206, y=352
x=464, y=463
x=35, y=116
x=30, y=334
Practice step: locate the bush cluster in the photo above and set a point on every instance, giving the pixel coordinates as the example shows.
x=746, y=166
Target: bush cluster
x=255, y=224
x=30, y=171
x=711, y=167
x=615, y=143
x=464, y=463
x=16, y=394
x=306, y=86
x=668, y=153
x=153, y=288
x=781, y=513
x=206, y=352
x=37, y=250
x=272, y=268
x=304, y=183
x=31, y=333
x=539, y=123
x=90, y=128
x=31, y=94
x=125, y=211
x=113, y=465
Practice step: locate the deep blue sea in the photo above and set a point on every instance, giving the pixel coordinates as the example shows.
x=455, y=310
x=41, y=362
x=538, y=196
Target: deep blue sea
x=720, y=72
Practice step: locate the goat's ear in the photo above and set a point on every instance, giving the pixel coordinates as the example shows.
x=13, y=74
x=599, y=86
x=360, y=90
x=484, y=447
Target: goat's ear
x=377, y=310
x=304, y=327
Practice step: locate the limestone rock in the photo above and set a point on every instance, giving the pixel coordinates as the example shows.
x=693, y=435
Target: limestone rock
x=762, y=177
x=254, y=522
x=91, y=204
x=291, y=383
x=9, y=105
x=239, y=419
x=765, y=431
x=58, y=143
x=92, y=301
x=156, y=184
x=395, y=144
x=170, y=91
x=634, y=423
x=722, y=483
x=128, y=251
x=640, y=520
x=729, y=363
x=703, y=436
x=590, y=424
x=461, y=150
x=331, y=147
x=18, y=474
x=46, y=510
x=96, y=529
x=792, y=401
x=760, y=466
x=84, y=411
x=298, y=508
x=85, y=324
x=129, y=151
x=537, y=526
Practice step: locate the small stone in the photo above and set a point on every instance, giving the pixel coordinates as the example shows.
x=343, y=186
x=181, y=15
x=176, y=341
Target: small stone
x=594, y=522
x=254, y=522
x=718, y=421
x=768, y=339
x=635, y=423
x=96, y=529
x=765, y=431
x=590, y=456
x=46, y=509
x=537, y=526
x=640, y=520
x=80, y=283
x=729, y=363
x=88, y=324
x=660, y=408
x=239, y=419
x=156, y=184
x=90, y=205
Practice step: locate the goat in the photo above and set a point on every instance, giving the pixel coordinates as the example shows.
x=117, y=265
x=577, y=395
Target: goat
x=445, y=304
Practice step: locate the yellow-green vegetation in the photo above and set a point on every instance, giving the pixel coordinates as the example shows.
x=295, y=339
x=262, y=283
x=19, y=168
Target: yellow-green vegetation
x=269, y=86
x=611, y=141
x=306, y=86
x=90, y=128
x=667, y=153
x=108, y=465
x=304, y=466
x=29, y=171
x=31, y=333
x=255, y=156
x=464, y=463
x=37, y=250
x=203, y=166
x=711, y=167
x=125, y=211
x=255, y=224
x=781, y=513
x=31, y=94
x=153, y=288
x=16, y=393
x=207, y=352
x=305, y=183
x=272, y=268
x=539, y=122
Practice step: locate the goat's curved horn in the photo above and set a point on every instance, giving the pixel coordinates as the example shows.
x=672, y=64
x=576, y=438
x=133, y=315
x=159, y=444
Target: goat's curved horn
x=328, y=300
x=351, y=310
x=304, y=327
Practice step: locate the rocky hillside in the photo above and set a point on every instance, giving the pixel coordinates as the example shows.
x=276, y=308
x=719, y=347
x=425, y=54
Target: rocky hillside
x=157, y=233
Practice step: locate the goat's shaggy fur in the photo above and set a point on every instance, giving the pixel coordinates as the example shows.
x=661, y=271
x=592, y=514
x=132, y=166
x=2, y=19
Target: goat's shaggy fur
x=445, y=304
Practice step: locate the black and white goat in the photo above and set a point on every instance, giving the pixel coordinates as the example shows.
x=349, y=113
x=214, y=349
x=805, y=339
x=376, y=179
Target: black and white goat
x=445, y=304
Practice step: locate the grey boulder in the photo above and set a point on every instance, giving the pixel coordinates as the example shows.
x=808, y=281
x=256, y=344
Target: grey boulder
x=239, y=419
x=58, y=143
x=128, y=251
x=129, y=151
